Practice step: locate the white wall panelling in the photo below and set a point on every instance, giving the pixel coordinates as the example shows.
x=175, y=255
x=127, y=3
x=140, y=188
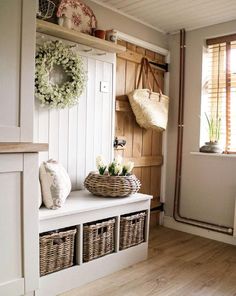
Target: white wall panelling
x=77, y=135
x=166, y=16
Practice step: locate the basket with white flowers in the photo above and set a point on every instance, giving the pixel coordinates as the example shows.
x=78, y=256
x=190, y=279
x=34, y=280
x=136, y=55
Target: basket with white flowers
x=114, y=180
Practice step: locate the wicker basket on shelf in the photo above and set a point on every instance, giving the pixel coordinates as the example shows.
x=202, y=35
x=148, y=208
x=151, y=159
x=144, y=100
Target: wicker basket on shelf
x=114, y=186
x=56, y=251
x=132, y=230
x=98, y=239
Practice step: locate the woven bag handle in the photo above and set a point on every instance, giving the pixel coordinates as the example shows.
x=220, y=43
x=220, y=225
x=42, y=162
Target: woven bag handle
x=144, y=74
x=145, y=66
x=154, y=76
x=141, y=72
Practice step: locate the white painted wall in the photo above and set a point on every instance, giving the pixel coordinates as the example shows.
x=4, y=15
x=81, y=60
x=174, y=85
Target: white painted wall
x=77, y=135
x=208, y=183
x=108, y=19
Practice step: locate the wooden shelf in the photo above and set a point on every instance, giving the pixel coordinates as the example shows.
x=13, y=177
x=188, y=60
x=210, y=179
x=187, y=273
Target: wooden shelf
x=22, y=147
x=78, y=37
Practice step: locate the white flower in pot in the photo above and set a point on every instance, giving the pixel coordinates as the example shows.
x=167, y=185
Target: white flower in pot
x=127, y=168
x=214, y=128
x=101, y=166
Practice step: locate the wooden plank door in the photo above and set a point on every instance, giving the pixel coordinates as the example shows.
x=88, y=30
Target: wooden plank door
x=144, y=147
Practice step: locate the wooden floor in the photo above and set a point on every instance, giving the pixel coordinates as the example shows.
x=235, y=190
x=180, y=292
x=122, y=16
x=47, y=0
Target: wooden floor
x=179, y=264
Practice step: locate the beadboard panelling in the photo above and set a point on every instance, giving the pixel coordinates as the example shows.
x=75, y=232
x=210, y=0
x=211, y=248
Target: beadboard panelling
x=77, y=135
x=171, y=15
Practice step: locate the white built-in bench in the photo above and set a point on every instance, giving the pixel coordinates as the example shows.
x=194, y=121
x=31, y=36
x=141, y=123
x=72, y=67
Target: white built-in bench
x=82, y=207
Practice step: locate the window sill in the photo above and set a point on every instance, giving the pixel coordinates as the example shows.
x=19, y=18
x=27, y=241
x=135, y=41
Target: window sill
x=214, y=154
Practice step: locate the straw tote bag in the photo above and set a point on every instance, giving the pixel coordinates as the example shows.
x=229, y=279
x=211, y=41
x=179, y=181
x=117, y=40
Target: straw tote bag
x=150, y=108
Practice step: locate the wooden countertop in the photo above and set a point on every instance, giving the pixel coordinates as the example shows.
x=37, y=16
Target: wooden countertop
x=22, y=147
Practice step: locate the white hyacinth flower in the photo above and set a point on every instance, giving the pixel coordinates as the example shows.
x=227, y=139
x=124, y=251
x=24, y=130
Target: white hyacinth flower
x=99, y=162
x=101, y=166
x=129, y=166
x=118, y=159
x=118, y=169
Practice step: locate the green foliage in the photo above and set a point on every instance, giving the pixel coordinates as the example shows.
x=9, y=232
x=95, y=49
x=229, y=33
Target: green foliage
x=214, y=128
x=124, y=171
x=53, y=53
x=111, y=169
x=102, y=170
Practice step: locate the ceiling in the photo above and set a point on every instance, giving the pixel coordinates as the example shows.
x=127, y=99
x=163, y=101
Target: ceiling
x=169, y=16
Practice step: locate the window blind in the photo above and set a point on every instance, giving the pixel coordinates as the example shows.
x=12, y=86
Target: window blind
x=221, y=88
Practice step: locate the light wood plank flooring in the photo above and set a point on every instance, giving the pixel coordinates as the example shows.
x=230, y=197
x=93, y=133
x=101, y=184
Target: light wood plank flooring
x=179, y=264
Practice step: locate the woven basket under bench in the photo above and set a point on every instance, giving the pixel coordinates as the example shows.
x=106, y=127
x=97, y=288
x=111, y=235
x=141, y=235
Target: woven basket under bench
x=56, y=251
x=98, y=239
x=132, y=230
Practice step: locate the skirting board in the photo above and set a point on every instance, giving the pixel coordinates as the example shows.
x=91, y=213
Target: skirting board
x=76, y=276
x=170, y=222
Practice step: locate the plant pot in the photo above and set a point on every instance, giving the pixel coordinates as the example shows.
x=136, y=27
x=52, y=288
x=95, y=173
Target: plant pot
x=100, y=34
x=111, y=186
x=211, y=147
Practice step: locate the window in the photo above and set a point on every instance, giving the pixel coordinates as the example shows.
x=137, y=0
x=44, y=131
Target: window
x=221, y=88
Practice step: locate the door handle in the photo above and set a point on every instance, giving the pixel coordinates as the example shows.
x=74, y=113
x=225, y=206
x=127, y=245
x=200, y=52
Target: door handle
x=119, y=142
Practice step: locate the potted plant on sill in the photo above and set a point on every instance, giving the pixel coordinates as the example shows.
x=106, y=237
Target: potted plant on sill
x=214, y=127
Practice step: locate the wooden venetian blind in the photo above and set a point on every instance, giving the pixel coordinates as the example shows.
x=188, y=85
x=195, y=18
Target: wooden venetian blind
x=221, y=87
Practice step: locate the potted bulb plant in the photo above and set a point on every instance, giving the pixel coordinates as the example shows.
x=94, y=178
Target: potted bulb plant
x=214, y=127
x=113, y=180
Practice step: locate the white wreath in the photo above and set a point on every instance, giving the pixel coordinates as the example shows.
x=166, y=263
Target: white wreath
x=49, y=55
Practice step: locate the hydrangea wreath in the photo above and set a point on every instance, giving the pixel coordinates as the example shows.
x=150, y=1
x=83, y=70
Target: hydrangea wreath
x=49, y=55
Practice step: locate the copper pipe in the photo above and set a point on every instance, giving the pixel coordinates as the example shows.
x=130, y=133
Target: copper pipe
x=177, y=198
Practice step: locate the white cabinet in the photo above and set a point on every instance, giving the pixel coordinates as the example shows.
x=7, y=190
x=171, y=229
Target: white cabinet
x=80, y=208
x=17, y=49
x=18, y=223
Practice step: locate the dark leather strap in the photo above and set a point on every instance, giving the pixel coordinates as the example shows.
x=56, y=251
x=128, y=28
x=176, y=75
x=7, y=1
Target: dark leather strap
x=144, y=69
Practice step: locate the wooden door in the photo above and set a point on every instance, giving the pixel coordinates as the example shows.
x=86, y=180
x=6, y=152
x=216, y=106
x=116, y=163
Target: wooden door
x=144, y=147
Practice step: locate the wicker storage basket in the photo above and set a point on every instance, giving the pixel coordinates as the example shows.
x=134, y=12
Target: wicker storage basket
x=56, y=251
x=132, y=230
x=114, y=186
x=98, y=239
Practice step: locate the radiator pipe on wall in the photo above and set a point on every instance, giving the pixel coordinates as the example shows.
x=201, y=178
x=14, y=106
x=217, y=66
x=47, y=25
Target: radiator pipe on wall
x=176, y=212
